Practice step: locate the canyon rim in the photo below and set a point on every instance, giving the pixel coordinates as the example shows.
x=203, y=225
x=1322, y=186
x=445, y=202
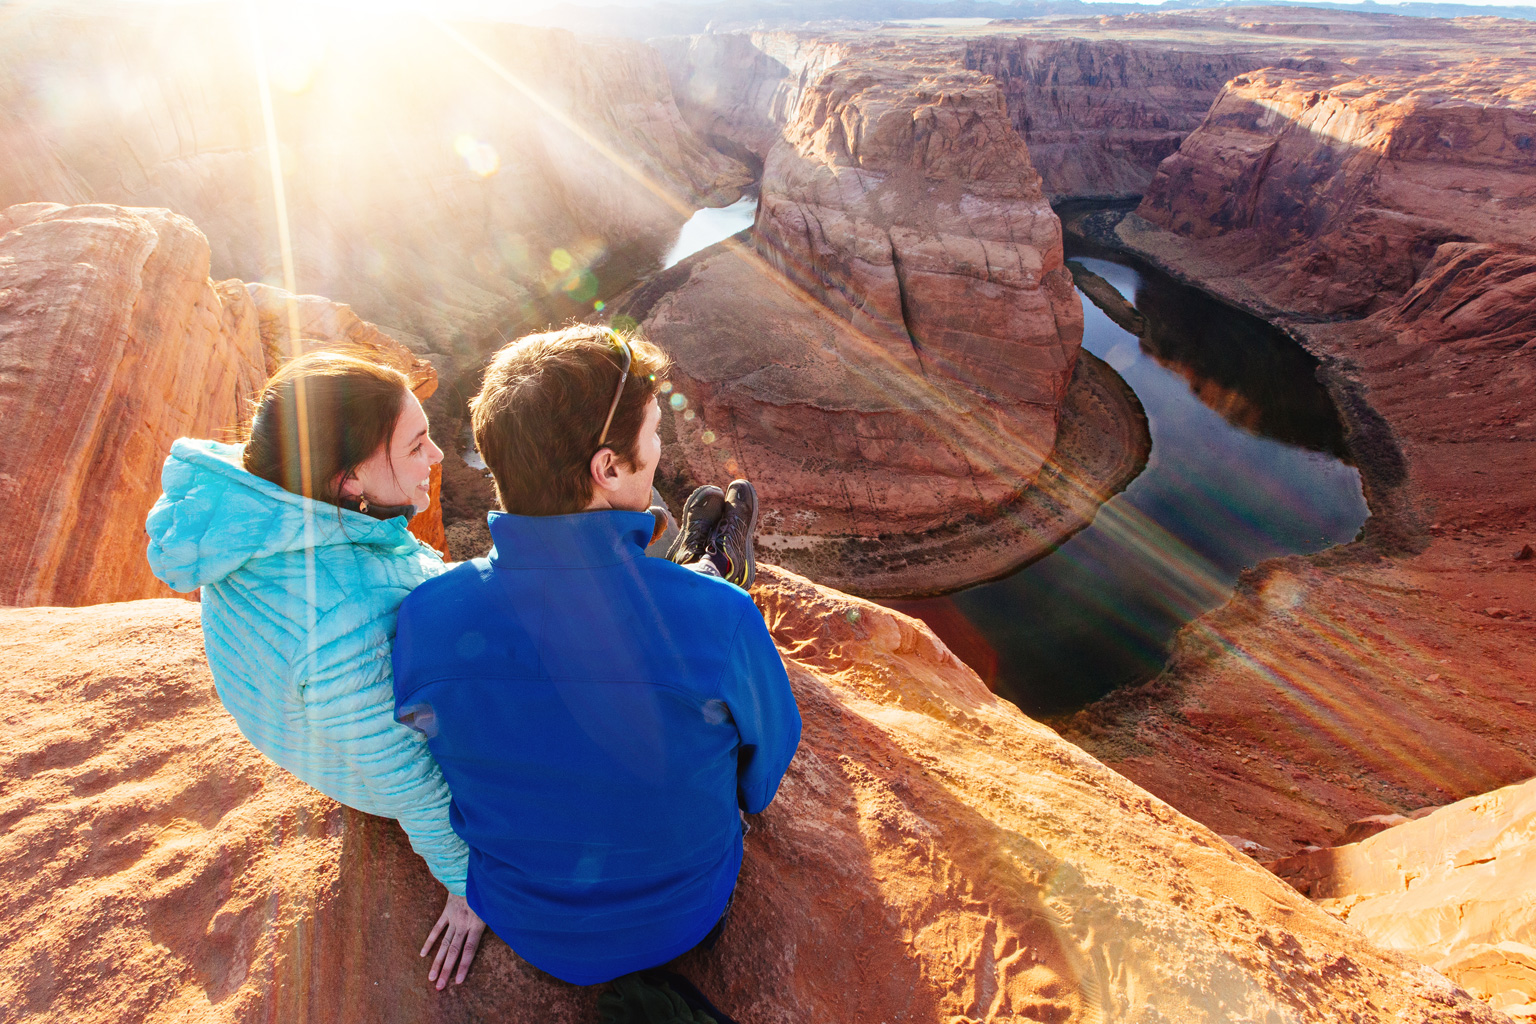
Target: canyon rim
x=192, y=193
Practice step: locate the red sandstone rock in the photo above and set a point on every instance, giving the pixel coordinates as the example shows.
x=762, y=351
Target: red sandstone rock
x=422, y=187
x=932, y=856
x=1482, y=295
x=1099, y=115
x=1451, y=889
x=1332, y=189
x=114, y=343
x=899, y=360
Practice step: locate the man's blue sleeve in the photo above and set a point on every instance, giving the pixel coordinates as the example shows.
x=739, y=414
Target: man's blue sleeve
x=756, y=689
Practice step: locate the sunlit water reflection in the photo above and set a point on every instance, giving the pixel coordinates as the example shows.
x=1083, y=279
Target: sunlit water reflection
x=1245, y=465
x=711, y=225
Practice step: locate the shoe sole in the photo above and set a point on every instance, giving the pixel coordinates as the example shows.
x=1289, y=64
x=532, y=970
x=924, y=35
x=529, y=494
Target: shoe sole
x=751, y=573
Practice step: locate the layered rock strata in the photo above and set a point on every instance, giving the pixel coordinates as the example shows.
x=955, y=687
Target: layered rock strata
x=1328, y=191
x=1452, y=889
x=1100, y=115
x=115, y=342
x=1396, y=673
x=443, y=195
x=890, y=355
x=978, y=867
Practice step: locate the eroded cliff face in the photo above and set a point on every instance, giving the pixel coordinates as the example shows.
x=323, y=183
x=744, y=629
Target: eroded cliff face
x=116, y=342
x=1099, y=115
x=1328, y=191
x=981, y=868
x=891, y=353
x=738, y=90
x=423, y=187
x=1398, y=672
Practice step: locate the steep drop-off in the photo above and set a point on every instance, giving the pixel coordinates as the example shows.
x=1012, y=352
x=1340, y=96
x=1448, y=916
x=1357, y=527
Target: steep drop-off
x=1100, y=115
x=423, y=187
x=1326, y=192
x=115, y=342
x=889, y=354
x=932, y=855
x=1398, y=672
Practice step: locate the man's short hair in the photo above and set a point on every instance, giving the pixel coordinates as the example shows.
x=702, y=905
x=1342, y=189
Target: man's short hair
x=541, y=408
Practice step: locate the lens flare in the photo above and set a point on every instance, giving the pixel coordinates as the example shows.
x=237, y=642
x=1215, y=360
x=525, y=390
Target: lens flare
x=480, y=157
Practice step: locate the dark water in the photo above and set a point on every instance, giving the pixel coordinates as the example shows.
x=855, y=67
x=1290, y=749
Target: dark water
x=1246, y=464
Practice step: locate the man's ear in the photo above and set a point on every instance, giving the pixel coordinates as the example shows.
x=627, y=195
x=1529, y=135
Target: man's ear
x=604, y=469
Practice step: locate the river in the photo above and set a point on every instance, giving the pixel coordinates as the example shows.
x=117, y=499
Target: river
x=1247, y=463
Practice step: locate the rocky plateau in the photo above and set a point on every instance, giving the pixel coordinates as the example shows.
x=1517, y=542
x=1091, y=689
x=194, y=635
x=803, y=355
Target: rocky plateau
x=933, y=855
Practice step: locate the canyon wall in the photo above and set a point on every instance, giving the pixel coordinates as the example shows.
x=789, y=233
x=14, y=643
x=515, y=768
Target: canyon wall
x=891, y=352
x=1327, y=192
x=442, y=198
x=1398, y=672
x=932, y=855
x=115, y=342
x=1099, y=115
x=738, y=89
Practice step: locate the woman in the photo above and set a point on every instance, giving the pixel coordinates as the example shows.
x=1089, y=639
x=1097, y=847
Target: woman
x=298, y=540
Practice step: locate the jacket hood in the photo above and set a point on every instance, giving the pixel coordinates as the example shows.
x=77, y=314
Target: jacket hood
x=214, y=517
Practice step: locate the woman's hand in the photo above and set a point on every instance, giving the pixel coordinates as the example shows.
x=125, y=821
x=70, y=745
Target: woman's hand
x=461, y=929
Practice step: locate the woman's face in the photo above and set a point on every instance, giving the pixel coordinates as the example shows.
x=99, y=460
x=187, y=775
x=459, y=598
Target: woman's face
x=404, y=475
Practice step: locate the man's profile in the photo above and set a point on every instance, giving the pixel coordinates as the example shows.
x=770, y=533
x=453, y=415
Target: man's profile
x=601, y=718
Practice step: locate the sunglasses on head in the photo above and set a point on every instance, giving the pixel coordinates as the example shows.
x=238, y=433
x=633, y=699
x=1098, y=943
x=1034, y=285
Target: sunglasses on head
x=626, y=357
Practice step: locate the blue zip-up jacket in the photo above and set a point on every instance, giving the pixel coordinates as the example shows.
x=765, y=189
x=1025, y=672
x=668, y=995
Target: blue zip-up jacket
x=599, y=717
x=298, y=610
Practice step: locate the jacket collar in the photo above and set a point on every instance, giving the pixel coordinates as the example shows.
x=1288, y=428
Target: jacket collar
x=582, y=540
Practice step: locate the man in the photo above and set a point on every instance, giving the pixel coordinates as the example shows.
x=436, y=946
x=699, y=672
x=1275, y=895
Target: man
x=600, y=717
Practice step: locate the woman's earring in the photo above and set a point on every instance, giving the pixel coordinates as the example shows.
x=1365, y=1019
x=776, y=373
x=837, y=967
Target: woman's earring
x=362, y=504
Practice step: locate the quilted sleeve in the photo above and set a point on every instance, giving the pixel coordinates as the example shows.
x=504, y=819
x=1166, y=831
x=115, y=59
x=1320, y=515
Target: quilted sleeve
x=347, y=687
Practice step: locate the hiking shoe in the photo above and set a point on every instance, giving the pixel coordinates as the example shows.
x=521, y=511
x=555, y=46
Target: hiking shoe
x=732, y=539
x=701, y=513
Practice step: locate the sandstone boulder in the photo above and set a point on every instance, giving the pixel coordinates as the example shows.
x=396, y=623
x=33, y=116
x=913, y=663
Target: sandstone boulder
x=933, y=855
x=1455, y=889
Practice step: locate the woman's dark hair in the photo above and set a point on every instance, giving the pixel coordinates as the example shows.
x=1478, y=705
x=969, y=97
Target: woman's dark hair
x=320, y=417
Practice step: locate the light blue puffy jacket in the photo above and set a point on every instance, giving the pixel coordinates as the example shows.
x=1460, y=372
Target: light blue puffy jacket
x=298, y=609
